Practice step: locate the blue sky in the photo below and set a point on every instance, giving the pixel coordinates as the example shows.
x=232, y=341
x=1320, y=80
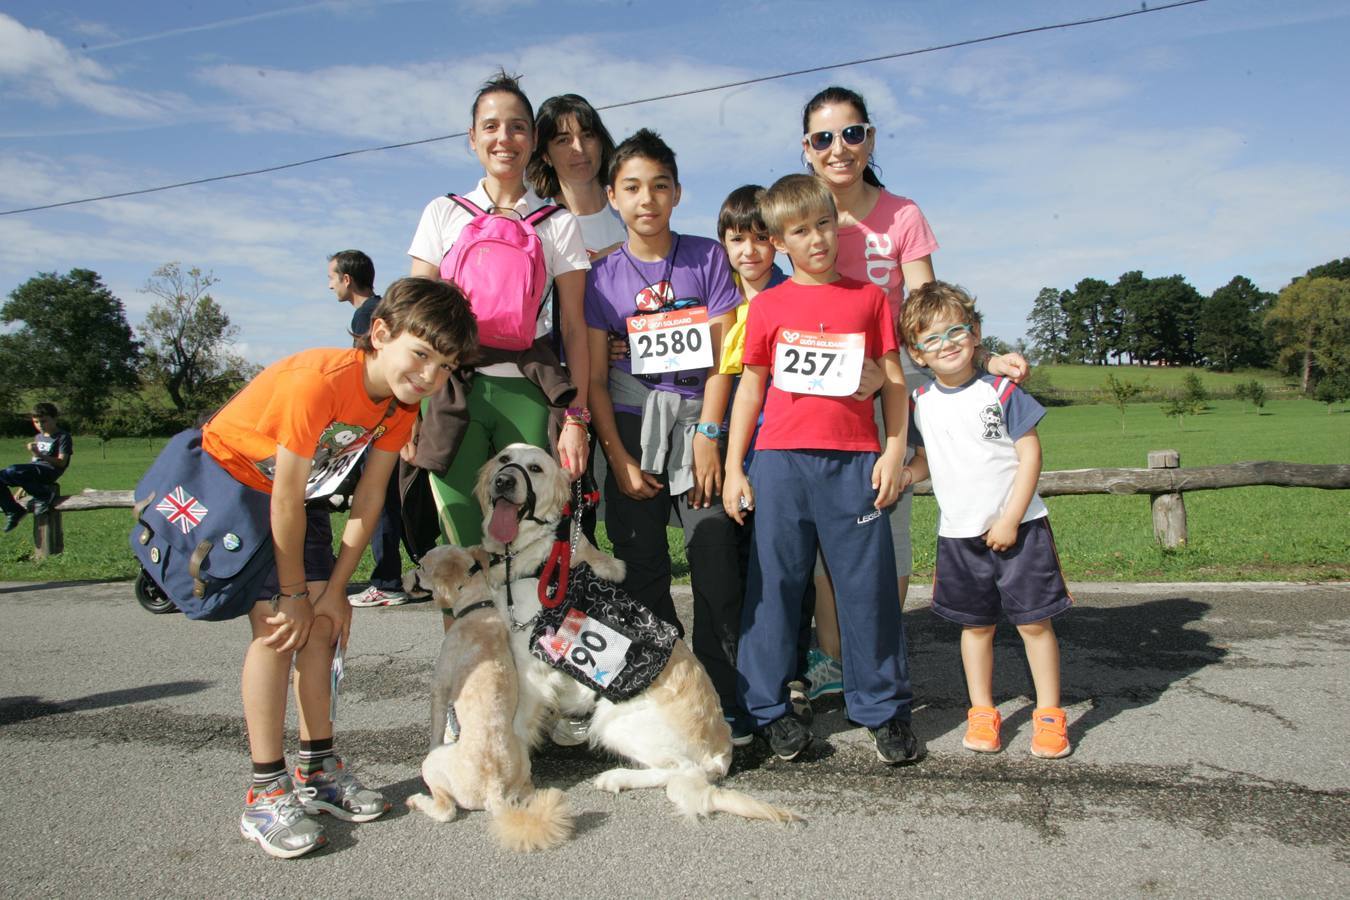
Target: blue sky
x=1206, y=140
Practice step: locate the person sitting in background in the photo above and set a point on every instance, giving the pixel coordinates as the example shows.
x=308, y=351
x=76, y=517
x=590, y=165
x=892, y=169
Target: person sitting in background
x=51, y=450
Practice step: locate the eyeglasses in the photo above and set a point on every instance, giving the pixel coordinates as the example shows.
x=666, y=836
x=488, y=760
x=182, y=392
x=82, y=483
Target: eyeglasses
x=957, y=334
x=853, y=135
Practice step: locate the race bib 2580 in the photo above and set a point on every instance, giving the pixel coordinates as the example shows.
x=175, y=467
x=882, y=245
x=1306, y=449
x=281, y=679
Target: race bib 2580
x=670, y=341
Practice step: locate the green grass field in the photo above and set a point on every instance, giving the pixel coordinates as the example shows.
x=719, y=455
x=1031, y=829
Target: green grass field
x=1254, y=533
x=1075, y=381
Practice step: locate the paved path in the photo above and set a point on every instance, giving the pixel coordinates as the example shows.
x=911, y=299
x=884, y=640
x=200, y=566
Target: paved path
x=1210, y=725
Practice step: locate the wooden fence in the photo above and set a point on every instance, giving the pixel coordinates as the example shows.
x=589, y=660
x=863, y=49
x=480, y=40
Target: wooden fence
x=1164, y=481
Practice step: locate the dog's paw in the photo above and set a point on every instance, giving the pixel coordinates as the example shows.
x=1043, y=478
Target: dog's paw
x=612, y=782
x=436, y=811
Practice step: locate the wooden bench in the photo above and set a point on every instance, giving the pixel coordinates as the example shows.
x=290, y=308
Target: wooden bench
x=49, y=537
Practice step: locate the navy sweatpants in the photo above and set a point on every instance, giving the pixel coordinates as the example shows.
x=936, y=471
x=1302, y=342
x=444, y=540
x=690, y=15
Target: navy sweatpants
x=801, y=497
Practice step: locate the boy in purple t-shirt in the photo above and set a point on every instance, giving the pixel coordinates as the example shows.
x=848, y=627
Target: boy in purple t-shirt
x=657, y=415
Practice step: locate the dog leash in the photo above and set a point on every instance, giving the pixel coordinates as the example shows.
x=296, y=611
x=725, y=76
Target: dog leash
x=553, y=577
x=553, y=574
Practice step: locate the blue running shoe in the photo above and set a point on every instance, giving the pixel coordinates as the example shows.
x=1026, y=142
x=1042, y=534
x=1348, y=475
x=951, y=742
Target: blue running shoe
x=274, y=818
x=337, y=792
x=825, y=673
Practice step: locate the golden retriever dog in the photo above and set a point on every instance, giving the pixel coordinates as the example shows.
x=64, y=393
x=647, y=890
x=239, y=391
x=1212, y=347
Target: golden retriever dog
x=488, y=767
x=674, y=730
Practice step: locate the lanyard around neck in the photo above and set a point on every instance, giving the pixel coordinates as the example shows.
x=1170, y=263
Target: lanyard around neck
x=670, y=270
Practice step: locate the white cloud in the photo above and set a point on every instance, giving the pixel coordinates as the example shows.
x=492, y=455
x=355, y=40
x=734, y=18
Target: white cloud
x=1052, y=204
x=40, y=67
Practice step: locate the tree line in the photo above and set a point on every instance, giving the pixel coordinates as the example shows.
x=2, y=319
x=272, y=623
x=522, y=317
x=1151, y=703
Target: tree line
x=71, y=343
x=1304, y=330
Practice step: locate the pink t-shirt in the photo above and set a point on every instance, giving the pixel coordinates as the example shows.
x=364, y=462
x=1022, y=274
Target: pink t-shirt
x=894, y=232
x=807, y=421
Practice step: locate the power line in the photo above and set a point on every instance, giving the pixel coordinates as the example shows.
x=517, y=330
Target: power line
x=1144, y=9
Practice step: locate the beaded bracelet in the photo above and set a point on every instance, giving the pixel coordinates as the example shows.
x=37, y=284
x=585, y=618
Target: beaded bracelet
x=577, y=415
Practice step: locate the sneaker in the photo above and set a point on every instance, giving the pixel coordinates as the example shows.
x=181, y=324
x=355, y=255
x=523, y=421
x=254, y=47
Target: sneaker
x=337, y=792
x=1050, y=739
x=896, y=743
x=800, y=699
x=419, y=595
x=982, y=725
x=787, y=736
x=373, y=596
x=12, y=520
x=568, y=732
x=741, y=736
x=824, y=673
x=275, y=819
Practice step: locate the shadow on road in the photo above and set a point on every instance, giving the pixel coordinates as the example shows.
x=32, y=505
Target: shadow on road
x=20, y=709
x=1116, y=658
x=32, y=587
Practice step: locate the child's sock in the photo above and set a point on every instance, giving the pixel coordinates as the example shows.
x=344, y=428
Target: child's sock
x=268, y=772
x=312, y=755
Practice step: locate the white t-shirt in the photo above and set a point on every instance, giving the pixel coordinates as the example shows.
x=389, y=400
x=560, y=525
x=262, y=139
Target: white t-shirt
x=969, y=433
x=602, y=230
x=560, y=234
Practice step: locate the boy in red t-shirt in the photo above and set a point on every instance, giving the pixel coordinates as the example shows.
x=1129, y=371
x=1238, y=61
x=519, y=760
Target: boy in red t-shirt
x=819, y=474
x=295, y=432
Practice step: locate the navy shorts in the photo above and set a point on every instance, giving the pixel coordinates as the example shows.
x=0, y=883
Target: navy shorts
x=318, y=550
x=975, y=586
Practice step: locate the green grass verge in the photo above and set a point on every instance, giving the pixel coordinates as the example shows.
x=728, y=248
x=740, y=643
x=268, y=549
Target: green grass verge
x=1254, y=533
x=1079, y=384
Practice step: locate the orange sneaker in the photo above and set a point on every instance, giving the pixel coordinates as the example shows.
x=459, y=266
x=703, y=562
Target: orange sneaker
x=1050, y=739
x=982, y=725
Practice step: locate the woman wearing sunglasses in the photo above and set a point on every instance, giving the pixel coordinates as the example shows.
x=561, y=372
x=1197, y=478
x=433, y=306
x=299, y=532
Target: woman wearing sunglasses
x=885, y=239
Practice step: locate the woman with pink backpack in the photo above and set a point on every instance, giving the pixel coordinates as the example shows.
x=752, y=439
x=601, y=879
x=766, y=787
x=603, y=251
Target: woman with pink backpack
x=504, y=247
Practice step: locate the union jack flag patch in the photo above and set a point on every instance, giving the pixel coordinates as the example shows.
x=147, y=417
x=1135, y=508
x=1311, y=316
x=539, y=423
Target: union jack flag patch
x=181, y=510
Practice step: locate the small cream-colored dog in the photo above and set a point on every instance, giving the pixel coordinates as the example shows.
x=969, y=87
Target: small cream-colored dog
x=488, y=767
x=674, y=730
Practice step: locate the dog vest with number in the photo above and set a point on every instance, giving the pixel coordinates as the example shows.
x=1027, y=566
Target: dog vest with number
x=603, y=638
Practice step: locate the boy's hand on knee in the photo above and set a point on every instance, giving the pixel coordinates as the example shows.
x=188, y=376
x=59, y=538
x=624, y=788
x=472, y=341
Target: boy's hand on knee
x=290, y=624
x=334, y=606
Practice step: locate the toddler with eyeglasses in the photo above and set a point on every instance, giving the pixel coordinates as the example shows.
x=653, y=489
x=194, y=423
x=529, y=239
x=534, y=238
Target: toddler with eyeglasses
x=975, y=436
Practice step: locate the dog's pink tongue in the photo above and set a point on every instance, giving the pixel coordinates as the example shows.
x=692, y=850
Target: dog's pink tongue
x=505, y=523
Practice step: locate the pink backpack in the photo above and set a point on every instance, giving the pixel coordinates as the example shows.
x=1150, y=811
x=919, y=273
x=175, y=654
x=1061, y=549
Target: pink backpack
x=498, y=262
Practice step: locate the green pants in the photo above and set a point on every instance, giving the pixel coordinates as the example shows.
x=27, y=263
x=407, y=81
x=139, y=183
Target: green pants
x=502, y=410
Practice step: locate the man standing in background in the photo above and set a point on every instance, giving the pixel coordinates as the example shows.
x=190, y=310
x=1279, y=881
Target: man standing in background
x=351, y=278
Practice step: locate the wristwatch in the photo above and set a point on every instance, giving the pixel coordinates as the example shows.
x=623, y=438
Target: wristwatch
x=710, y=430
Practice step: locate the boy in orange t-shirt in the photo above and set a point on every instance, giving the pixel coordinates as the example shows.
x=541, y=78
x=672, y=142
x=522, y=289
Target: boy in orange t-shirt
x=294, y=432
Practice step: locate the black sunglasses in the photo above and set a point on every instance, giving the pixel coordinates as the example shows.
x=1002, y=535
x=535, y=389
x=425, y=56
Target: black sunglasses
x=853, y=135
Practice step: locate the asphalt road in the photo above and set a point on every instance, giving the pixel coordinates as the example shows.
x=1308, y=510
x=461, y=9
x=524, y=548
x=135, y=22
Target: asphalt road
x=1209, y=722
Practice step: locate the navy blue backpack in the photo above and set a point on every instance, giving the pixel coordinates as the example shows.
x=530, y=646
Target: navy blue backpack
x=201, y=535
